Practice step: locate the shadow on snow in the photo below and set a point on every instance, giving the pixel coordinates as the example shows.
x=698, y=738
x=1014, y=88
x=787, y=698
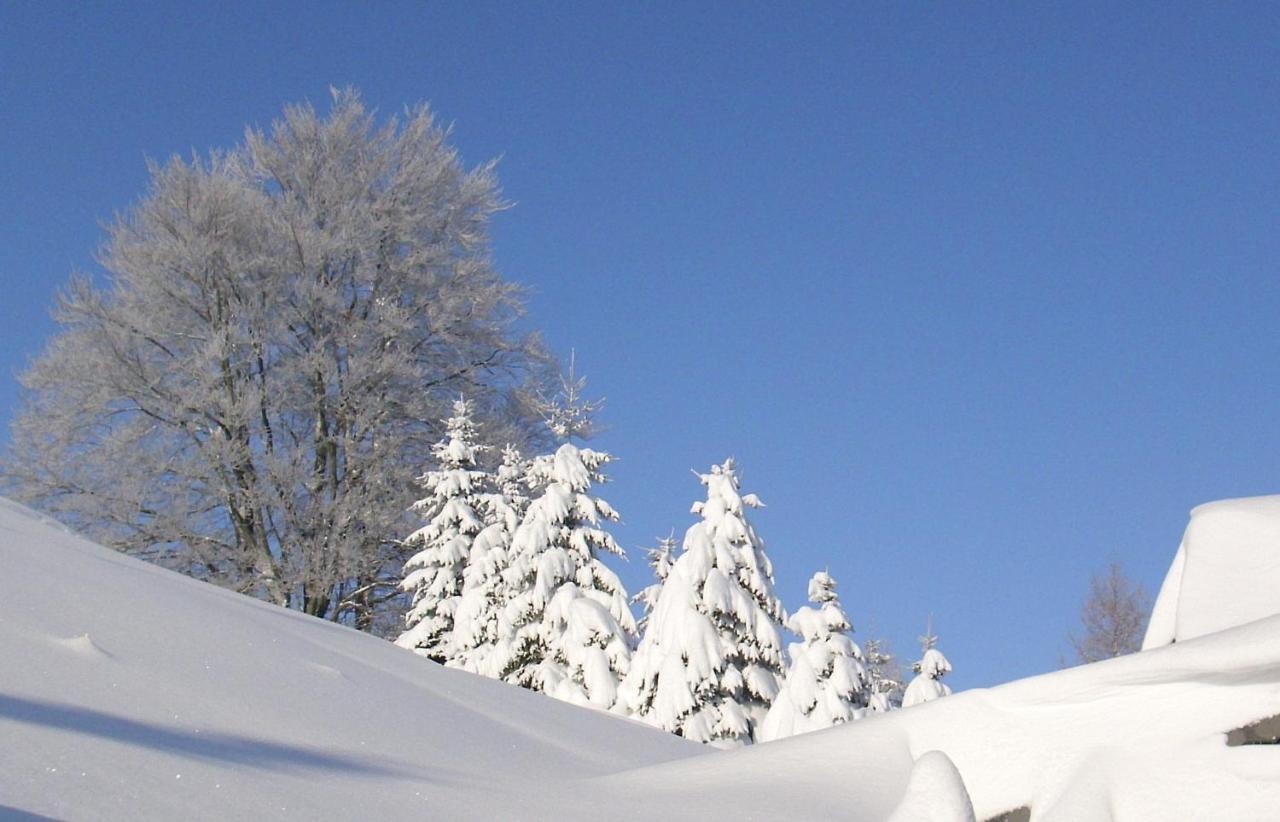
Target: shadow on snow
x=210, y=745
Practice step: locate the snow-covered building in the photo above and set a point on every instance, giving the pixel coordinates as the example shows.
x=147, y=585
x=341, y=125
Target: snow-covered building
x=1226, y=572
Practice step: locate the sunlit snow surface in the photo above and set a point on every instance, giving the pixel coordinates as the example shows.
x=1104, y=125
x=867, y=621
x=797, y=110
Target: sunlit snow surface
x=127, y=692
x=1226, y=573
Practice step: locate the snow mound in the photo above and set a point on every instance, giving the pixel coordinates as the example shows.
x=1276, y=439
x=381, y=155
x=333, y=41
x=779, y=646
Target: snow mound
x=1226, y=571
x=935, y=793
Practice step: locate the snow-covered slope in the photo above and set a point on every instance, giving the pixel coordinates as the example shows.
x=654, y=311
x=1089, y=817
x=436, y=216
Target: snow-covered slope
x=127, y=692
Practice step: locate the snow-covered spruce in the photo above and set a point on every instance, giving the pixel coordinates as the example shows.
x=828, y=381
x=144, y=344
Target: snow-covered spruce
x=661, y=558
x=710, y=663
x=566, y=629
x=827, y=682
x=434, y=574
x=884, y=677
x=927, y=684
x=478, y=615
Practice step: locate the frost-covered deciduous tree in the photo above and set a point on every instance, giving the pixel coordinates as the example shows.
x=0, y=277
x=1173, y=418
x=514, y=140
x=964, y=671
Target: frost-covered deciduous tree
x=249, y=389
x=884, y=677
x=927, y=685
x=434, y=574
x=566, y=628
x=484, y=594
x=1113, y=618
x=827, y=682
x=710, y=662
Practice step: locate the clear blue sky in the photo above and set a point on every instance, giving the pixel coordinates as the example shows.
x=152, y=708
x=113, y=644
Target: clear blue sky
x=980, y=299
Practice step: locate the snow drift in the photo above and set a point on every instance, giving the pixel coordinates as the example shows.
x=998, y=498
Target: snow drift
x=129, y=692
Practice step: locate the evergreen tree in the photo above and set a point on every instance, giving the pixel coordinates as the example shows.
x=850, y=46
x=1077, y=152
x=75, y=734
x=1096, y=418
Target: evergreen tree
x=566, y=628
x=884, y=676
x=435, y=573
x=827, y=682
x=710, y=663
x=927, y=684
x=476, y=622
x=660, y=560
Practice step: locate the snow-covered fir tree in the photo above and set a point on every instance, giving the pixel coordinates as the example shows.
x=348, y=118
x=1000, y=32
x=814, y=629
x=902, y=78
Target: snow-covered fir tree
x=484, y=594
x=884, y=676
x=569, y=414
x=827, y=682
x=927, y=684
x=434, y=574
x=710, y=663
x=567, y=629
x=660, y=559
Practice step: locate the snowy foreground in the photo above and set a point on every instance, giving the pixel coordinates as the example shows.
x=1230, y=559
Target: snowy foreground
x=128, y=692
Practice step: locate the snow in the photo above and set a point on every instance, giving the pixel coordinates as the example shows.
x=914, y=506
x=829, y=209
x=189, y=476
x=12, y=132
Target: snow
x=1226, y=571
x=923, y=689
x=1135, y=738
x=129, y=692
x=935, y=793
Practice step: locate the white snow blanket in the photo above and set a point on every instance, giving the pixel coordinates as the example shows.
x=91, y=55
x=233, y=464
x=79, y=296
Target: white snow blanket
x=129, y=692
x=1226, y=571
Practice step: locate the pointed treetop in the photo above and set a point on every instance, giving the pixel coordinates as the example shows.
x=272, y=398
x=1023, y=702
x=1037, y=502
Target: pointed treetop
x=929, y=640
x=459, y=447
x=822, y=588
x=512, y=468
x=932, y=663
x=722, y=492
x=663, y=555
x=461, y=411
x=568, y=414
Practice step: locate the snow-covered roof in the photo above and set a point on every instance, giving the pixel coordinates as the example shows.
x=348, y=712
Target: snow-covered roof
x=1226, y=571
